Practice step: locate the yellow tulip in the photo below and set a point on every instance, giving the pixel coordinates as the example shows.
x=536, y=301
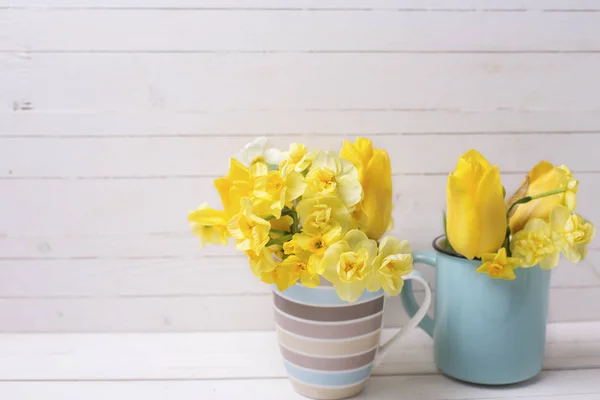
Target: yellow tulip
x=545, y=177
x=359, y=153
x=476, y=214
x=374, y=213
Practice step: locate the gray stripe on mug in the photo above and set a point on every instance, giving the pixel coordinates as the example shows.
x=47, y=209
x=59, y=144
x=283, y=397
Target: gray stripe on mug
x=348, y=330
x=328, y=364
x=328, y=314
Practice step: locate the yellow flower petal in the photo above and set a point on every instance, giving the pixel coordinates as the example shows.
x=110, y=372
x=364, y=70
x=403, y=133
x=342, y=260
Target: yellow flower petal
x=544, y=177
x=476, y=213
x=498, y=265
x=462, y=222
x=349, y=291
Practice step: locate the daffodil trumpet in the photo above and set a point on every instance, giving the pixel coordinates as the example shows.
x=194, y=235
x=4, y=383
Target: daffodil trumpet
x=533, y=227
x=301, y=216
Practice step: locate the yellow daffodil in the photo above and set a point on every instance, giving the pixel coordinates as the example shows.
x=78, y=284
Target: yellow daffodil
x=298, y=267
x=209, y=225
x=476, y=214
x=262, y=262
x=533, y=245
x=347, y=264
x=330, y=175
x=393, y=261
x=272, y=191
x=250, y=231
x=277, y=251
x=279, y=276
x=240, y=176
x=260, y=150
x=294, y=185
x=318, y=243
x=294, y=159
x=291, y=247
x=242, y=182
x=498, y=265
x=570, y=233
x=320, y=214
x=375, y=175
x=545, y=177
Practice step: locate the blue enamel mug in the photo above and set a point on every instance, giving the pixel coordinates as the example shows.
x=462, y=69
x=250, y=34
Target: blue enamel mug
x=485, y=331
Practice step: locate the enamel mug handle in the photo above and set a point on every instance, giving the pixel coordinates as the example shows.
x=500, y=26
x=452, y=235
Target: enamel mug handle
x=408, y=298
x=413, y=321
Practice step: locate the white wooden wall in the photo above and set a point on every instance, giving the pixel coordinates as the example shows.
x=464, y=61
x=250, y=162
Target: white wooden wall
x=115, y=117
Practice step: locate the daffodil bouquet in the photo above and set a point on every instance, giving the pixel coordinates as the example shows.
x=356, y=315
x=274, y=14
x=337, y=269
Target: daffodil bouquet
x=532, y=227
x=307, y=215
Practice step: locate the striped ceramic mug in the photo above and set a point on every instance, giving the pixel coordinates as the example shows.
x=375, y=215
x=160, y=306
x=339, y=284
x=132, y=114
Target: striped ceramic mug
x=329, y=346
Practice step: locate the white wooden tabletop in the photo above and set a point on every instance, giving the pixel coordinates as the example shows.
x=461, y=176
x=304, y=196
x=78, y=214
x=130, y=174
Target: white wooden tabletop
x=554, y=385
x=234, y=365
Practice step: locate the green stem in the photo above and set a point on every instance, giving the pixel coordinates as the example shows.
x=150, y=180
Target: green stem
x=279, y=240
x=295, y=228
x=506, y=243
x=292, y=213
x=278, y=232
x=527, y=199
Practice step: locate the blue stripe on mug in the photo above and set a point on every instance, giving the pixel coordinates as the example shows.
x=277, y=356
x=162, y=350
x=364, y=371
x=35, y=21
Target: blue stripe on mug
x=322, y=296
x=343, y=378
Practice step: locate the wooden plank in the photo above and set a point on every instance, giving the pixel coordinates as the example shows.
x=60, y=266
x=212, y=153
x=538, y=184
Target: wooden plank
x=159, y=206
x=555, y=385
x=194, y=156
x=218, y=276
x=230, y=355
x=291, y=31
x=435, y=387
x=209, y=313
x=525, y=83
x=307, y=5
x=22, y=121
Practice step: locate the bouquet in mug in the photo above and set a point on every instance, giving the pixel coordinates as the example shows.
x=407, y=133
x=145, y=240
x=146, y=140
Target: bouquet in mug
x=307, y=215
x=532, y=227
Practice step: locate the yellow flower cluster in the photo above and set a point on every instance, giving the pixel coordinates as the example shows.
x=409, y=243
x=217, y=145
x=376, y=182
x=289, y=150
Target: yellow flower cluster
x=533, y=227
x=303, y=216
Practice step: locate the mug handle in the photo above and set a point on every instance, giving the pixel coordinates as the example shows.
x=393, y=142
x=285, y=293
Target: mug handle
x=408, y=298
x=413, y=321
